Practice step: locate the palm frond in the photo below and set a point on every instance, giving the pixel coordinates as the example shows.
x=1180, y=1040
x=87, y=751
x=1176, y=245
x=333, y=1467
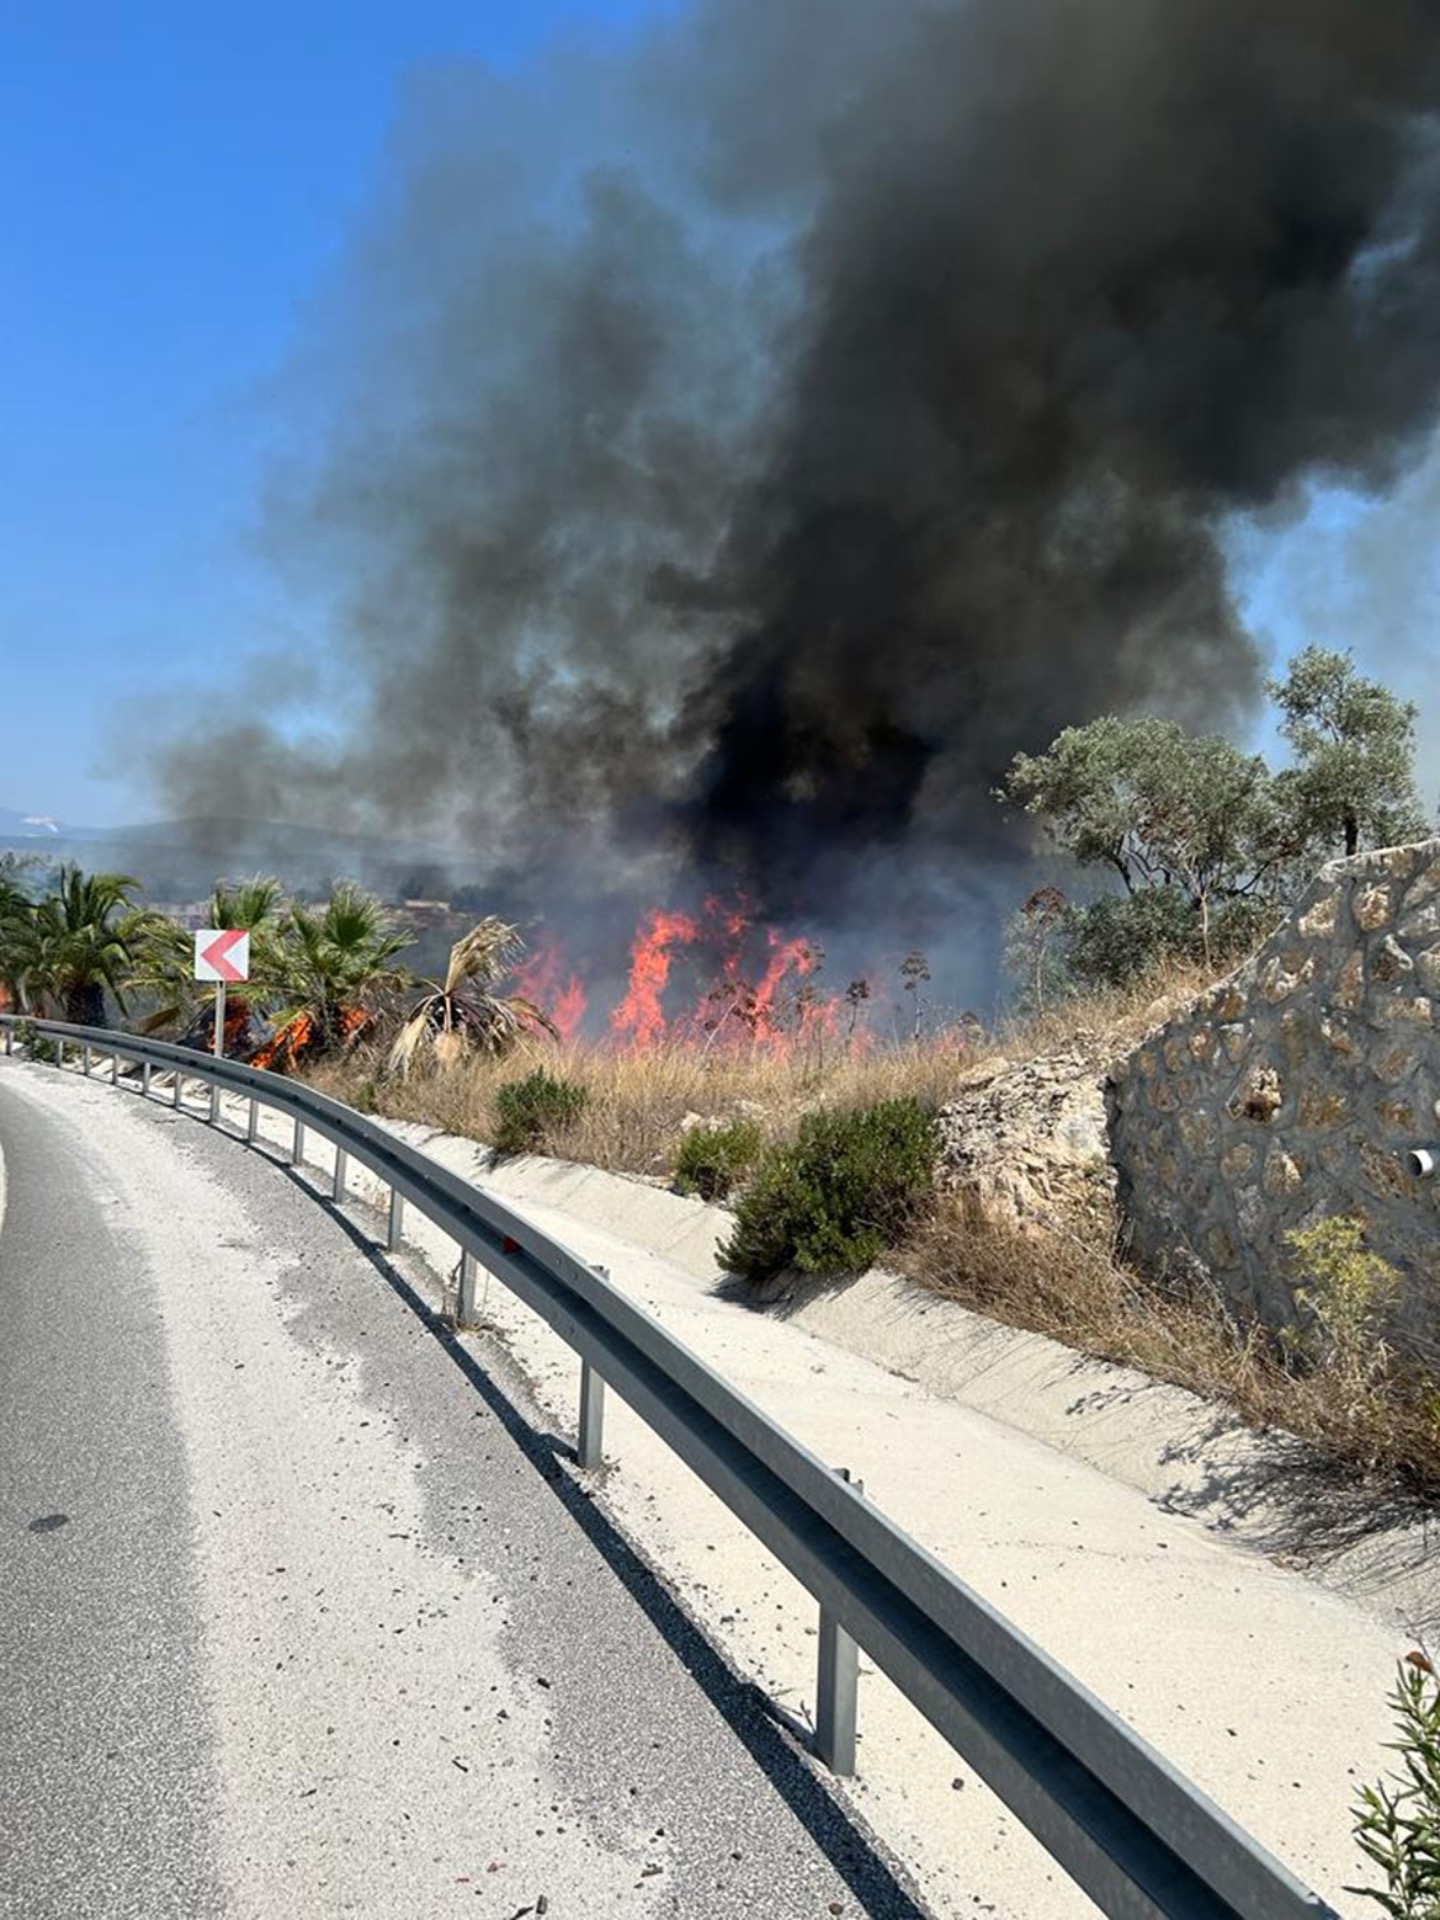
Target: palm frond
x=484, y=956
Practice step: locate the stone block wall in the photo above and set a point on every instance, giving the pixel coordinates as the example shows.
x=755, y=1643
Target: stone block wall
x=1291, y=1092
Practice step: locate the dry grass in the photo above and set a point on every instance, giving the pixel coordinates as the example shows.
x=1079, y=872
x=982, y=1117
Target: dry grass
x=637, y=1101
x=1078, y=1293
x=1071, y=1291
x=1110, y=1020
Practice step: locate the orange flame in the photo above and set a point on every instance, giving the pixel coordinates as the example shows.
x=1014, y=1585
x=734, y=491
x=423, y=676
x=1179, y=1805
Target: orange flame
x=539, y=979
x=640, y=1014
x=731, y=1011
x=290, y=1045
x=784, y=954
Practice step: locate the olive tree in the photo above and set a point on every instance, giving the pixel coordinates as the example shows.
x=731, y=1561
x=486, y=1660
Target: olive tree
x=1187, y=823
x=1352, y=783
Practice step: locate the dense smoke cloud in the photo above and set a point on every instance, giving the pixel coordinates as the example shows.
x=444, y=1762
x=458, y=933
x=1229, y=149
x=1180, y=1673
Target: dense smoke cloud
x=735, y=449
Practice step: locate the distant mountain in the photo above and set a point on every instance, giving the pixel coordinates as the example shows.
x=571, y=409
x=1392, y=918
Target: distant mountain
x=40, y=828
x=180, y=860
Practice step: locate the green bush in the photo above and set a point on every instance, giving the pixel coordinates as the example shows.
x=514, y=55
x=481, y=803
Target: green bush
x=534, y=1110
x=712, y=1161
x=1346, y=1297
x=39, y=1046
x=849, y=1186
x=1397, y=1822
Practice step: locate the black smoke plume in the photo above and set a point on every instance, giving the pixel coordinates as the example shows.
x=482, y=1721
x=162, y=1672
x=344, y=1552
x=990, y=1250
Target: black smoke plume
x=729, y=450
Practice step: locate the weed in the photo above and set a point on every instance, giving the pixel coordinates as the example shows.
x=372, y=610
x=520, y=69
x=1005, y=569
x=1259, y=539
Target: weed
x=1345, y=1302
x=532, y=1113
x=39, y=1046
x=712, y=1161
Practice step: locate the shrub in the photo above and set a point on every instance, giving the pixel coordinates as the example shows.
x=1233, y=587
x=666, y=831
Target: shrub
x=1345, y=1298
x=1397, y=1823
x=534, y=1110
x=849, y=1186
x=39, y=1046
x=712, y=1161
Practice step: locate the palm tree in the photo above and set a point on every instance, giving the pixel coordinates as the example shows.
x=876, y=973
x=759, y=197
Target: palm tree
x=15, y=910
x=335, y=964
x=165, y=961
x=78, y=942
x=465, y=1011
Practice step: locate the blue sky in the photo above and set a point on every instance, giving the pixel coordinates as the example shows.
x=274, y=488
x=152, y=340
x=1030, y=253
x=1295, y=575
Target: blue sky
x=176, y=182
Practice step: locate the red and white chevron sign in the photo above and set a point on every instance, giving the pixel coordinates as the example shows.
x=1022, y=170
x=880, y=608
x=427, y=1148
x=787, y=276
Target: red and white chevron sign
x=222, y=954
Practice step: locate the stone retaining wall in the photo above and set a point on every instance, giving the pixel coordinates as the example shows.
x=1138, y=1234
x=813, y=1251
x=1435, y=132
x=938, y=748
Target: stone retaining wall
x=1291, y=1092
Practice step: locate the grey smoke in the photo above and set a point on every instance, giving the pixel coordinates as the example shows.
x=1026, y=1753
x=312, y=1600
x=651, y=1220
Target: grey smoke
x=726, y=454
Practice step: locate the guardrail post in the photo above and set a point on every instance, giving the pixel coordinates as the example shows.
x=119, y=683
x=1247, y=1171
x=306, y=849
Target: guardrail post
x=144, y=1079
x=465, y=1306
x=9, y=1040
x=85, y=1059
x=297, y=1144
x=837, y=1689
x=397, y=1219
x=342, y=1169
x=590, y=1444
x=214, y=1101
x=114, y=1069
x=252, y=1125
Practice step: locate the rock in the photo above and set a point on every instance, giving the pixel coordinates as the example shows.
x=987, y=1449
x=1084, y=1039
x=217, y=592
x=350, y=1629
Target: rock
x=1371, y=908
x=1320, y=922
x=1391, y=960
x=1027, y=1145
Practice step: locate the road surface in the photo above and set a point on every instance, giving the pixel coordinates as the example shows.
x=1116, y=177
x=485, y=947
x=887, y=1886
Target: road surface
x=302, y=1611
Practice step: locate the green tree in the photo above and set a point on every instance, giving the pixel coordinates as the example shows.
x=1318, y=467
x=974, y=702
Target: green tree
x=1167, y=812
x=336, y=958
x=164, y=960
x=76, y=944
x=1353, y=780
x=16, y=908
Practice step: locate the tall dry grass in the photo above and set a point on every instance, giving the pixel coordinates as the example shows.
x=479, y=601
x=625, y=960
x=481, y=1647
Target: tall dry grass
x=1385, y=1427
x=637, y=1101
x=1073, y=1291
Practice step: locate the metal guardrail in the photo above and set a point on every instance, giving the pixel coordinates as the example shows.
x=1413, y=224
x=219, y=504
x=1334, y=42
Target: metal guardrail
x=1142, y=1841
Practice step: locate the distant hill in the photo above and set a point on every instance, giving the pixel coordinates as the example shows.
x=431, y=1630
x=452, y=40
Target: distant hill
x=38, y=829
x=182, y=859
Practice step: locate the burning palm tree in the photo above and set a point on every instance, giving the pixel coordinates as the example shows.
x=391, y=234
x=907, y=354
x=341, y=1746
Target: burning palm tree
x=336, y=964
x=165, y=966
x=466, y=1012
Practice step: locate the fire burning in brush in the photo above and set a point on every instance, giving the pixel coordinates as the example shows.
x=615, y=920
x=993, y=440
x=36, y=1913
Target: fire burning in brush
x=300, y=1040
x=546, y=979
x=779, y=1010
x=639, y=1016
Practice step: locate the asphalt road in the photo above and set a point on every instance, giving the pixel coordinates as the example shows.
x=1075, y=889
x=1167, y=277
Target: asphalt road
x=107, y=1789
x=329, y=1623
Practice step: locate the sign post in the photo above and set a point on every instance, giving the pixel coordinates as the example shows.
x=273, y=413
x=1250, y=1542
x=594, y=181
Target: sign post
x=221, y=954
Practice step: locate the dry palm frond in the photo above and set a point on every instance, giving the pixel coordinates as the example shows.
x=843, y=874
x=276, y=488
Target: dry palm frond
x=484, y=957
x=464, y=1014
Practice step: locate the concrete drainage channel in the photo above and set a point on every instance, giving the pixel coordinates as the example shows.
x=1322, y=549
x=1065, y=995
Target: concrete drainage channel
x=1140, y=1839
